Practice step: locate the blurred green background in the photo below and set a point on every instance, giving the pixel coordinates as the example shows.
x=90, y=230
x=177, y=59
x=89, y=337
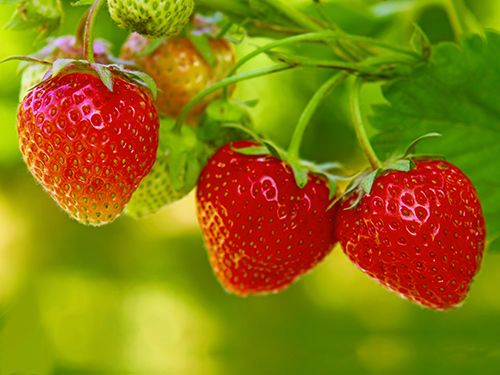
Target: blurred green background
x=139, y=297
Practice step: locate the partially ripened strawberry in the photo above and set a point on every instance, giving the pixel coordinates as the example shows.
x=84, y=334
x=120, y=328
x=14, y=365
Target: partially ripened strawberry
x=153, y=19
x=64, y=47
x=419, y=233
x=88, y=146
x=180, y=71
x=261, y=230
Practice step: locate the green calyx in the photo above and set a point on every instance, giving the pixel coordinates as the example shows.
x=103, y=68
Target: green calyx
x=362, y=183
x=107, y=73
x=300, y=168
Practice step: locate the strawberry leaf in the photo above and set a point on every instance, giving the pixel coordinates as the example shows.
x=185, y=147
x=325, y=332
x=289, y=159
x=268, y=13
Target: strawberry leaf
x=203, y=47
x=457, y=96
x=144, y=79
x=400, y=165
x=60, y=64
x=420, y=42
x=105, y=75
x=252, y=151
x=367, y=183
x=332, y=183
x=300, y=174
x=411, y=148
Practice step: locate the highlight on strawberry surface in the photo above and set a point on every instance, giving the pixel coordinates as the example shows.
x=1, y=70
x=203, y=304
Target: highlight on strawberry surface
x=139, y=132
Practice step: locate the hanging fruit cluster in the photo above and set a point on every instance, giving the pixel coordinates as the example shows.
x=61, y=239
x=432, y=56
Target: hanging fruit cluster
x=93, y=131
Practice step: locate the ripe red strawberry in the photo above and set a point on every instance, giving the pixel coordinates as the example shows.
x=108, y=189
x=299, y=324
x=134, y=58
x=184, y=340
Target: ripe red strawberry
x=261, y=230
x=180, y=71
x=420, y=233
x=88, y=147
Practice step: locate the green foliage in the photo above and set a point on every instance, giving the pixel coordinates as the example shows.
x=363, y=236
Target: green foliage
x=457, y=96
x=42, y=15
x=139, y=296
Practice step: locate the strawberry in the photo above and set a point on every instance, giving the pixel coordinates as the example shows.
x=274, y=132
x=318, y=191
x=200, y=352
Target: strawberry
x=419, y=233
x=152, y=19
x=155, y=191
x=64, y=47
x=175, y=173
x=180, y=71
x=88, y=147
x=261, y=230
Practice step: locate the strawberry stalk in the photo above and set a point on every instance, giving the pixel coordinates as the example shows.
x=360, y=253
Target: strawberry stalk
x=80, y=30
x=359, y=126
x=305, y=118
x=89, y=29
x=299, y=170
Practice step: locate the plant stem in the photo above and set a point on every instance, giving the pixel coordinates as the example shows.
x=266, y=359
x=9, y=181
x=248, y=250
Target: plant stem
x=80, y=30
x=359, y=126
x=462, y=19
x=234, y=7
x=224, y=83
x=456, y=12
x=316, y=100
x=294, y=15
x=89, y=29
x=319, y=36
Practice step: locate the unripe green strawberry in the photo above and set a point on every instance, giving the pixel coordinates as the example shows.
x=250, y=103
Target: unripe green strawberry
x=154, y=192
x=152, y=19
x=64, y=47
x=89, y=147
x=174, y=173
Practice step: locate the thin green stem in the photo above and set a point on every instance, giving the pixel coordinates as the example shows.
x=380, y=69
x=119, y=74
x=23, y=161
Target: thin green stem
x=294, y=15
x=456, y=12
x=234, y=7
x=89, y=29
x=224, y=83
x=359, y=126
x=309, y=23
x=320, y=36
x=305, y=118
x=80, y=30
x=462, y=19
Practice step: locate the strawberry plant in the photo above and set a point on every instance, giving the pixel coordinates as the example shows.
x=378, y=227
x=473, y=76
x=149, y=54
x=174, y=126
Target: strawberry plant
x=418, y=223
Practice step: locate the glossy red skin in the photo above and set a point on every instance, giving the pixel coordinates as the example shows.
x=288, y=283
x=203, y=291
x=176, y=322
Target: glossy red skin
x=420, y=234
x=87, y=146
x=180, y=71
x=261, y=230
